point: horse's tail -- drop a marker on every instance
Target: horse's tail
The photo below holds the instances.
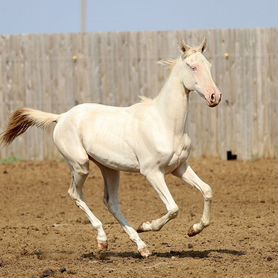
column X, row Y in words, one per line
column 22, row 119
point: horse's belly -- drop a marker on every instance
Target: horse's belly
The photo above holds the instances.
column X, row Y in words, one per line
column 120, row 160
column 107, row 145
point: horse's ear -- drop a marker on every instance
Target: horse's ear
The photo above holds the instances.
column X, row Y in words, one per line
column 203, row 46
column 183, row 47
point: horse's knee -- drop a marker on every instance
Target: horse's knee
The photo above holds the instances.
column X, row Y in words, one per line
column 205, row 223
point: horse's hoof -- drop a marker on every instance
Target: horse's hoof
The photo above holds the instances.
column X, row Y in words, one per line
column 144, row 252
column 140, row 229
column 191, row 232
column 145, row 227
column 102, row 246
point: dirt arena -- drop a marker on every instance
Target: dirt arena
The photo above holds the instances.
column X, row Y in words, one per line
column 43, row 234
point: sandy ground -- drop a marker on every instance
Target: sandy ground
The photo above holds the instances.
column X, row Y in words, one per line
column 43, row 234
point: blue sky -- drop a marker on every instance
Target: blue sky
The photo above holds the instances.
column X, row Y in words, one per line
column 56, row 16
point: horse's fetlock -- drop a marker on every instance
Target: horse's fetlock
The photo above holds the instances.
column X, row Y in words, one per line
column 98, row 226
column 205, row 222
column 173, row 213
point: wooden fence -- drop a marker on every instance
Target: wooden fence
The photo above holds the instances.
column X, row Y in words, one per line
column 55, row 72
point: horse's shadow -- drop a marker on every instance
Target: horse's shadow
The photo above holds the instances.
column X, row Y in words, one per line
column 197, row 253
column 177, row 254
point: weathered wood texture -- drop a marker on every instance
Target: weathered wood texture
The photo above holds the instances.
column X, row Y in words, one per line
column 55, row 72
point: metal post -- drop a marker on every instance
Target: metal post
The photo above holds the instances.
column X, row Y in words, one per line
column 83, row 16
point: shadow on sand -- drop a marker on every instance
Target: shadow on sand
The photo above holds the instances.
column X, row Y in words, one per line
column 198, row 254
column 178, row 254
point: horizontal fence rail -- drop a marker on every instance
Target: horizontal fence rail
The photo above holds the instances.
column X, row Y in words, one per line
column 55, row 72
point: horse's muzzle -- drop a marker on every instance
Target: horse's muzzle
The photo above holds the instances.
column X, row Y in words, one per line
column 214, row 99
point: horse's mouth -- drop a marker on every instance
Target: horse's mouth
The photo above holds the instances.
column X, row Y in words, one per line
column 209, row 103
column 212, row 104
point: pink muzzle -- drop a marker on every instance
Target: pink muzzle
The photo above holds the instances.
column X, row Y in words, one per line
column 213, row 97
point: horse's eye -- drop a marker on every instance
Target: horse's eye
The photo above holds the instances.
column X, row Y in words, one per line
column 194, row 68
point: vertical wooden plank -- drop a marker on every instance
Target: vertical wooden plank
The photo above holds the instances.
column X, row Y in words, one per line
column 45, row 83
column 246, row 100
column 118, row 68
column 133, row 57
column 260, row 80
column 104, row 65
column 125, row 75
column 143, row 65
column 270, row 63
column 112, row 77
column 78, row 64
column 94, row 53
column 251, row 97
column 5, row 86
column 2, row 117
column 235, row 115
column 265, row 57
column 273, row 37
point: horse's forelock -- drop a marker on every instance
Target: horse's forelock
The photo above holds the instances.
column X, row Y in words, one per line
column 190, row 51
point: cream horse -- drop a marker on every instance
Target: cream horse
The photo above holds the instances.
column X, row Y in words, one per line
column 148, row 137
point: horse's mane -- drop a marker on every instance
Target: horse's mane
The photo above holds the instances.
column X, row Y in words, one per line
column 168, row 62
column 145, row 99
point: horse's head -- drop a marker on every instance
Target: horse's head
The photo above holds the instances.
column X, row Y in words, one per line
column 195, row 73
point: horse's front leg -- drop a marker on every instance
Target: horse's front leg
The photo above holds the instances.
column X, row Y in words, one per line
column 188, row 175
column 156, row 179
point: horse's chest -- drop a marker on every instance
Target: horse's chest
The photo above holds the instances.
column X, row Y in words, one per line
column 179, row 154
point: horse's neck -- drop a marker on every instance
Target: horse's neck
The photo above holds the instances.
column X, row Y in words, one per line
column 172, row 102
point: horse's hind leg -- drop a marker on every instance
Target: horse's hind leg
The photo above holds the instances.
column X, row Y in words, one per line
column 111, row 182
column 77, row 158
column 79, row 175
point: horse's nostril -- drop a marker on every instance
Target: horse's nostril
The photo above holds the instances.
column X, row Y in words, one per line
column 212, row 97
